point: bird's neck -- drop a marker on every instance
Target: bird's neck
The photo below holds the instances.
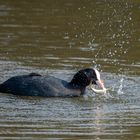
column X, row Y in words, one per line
column 76, row 86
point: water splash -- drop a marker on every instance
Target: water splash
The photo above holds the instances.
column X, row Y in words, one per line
column 120, row 89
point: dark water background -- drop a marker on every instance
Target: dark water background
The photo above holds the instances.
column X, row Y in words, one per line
column 60, row 37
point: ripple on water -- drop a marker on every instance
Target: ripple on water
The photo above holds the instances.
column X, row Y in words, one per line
column 94, row 117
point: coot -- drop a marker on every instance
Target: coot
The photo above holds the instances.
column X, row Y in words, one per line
column 37, row 85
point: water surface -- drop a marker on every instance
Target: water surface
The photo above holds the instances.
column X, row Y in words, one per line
column 59, row 38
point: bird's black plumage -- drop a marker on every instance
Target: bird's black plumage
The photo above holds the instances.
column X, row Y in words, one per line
column 37, row 85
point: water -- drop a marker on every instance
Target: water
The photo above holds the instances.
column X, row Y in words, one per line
column 59, row 38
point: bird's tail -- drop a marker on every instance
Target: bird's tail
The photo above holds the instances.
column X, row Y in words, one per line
column 2, row 88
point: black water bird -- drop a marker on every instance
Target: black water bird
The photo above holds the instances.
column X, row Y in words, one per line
column 35, row 84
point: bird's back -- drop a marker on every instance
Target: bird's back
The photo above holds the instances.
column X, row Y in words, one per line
column 37, row 85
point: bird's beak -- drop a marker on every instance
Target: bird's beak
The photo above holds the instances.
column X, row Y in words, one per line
column 100, row 83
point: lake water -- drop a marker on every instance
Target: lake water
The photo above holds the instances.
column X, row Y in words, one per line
column 59, row 38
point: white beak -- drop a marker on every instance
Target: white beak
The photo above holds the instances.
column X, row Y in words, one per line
column 100, row 83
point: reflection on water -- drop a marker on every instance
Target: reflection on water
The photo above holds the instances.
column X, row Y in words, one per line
column 37, row 33
column 59, row 37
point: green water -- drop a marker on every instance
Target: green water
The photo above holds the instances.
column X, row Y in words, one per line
column 59, row 38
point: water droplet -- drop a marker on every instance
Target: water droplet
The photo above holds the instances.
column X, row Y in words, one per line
column 120, row 90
